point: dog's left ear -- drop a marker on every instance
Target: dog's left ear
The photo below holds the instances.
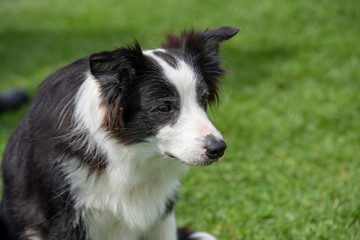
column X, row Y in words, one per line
column 212, row 38
column 204, row 43
column 204, row 49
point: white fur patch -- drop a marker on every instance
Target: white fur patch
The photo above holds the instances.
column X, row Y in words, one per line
column 31, row 234
column 201, row 236
column 87, row 109
column 164, row 229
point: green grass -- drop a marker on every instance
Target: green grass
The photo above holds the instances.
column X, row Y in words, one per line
column 289, row 111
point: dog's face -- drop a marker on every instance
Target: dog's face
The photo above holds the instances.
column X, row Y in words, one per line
column 161, row 96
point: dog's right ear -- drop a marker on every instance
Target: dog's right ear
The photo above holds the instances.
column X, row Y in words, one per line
column 118, row 65
column 114, row 72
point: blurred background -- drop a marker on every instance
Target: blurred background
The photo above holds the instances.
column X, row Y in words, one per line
column 289, row 107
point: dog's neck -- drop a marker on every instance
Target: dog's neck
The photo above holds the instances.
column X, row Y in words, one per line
column 133, row 190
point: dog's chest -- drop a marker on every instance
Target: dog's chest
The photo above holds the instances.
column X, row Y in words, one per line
column 129, row 214
column 102, row 225
column 114, row 205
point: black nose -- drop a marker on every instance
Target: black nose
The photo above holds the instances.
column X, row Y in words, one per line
column 215, row 148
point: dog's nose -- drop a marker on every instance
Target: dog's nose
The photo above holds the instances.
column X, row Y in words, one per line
column 215, row 148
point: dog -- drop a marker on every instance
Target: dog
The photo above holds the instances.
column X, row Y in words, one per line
column 100, row 151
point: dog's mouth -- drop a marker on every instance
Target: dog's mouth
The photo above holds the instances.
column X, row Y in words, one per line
column 201, row 163
column 170, row 155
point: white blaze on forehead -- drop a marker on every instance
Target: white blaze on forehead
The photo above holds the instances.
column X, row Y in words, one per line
column 184, row 79
column 183, row 76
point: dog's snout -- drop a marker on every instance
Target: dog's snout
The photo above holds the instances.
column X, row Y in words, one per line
column 215, row 148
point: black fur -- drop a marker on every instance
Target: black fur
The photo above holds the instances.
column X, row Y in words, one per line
column 35, row 191
column 183, row 233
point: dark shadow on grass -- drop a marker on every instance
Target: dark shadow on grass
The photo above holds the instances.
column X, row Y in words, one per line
column 24, row 52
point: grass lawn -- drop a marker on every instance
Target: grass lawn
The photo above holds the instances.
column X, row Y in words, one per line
column 289, row 111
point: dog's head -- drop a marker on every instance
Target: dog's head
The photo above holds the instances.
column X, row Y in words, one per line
column 161, row 96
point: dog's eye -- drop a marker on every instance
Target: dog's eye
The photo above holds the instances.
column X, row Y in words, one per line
column 165, row 108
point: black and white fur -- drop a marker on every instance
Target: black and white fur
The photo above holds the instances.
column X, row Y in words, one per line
column 100, row 151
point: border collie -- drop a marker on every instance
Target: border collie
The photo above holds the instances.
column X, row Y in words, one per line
column 100, row 151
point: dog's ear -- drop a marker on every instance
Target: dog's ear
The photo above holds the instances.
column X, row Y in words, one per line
column 209, row 59
column 212, row 38
column 205, row 43
column 114, row 72
column 118, row 65
column 203, row 49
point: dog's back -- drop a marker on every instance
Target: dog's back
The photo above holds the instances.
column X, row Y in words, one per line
column 34, row 193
